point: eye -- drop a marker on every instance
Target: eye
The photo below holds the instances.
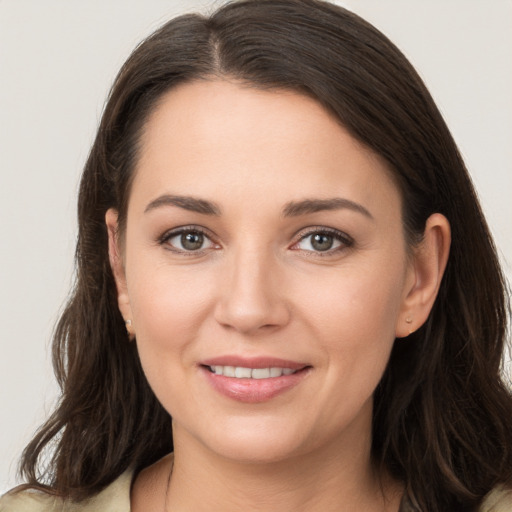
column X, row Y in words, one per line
column 187, row 240
column 324, row 240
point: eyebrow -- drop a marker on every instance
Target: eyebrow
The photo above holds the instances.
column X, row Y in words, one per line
column 297, row 208
column 291, row 209
column 190, row 203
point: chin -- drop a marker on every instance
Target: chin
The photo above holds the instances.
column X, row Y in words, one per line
column 261, row 451
column 256, row 441
column 244, row 440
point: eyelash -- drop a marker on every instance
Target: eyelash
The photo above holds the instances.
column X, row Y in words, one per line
column 168, row 235
column 344, row 240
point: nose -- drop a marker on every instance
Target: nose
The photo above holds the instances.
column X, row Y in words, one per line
column 252, row 297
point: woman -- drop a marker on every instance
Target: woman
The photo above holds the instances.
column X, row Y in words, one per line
column 280, row 248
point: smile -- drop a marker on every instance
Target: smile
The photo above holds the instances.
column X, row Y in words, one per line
column 253, row 380
column 240, row 372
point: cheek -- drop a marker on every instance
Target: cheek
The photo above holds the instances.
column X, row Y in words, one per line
column 163, row 295
column 355, row 303
column 168, row 309
column 168, row 306
column 353, row 317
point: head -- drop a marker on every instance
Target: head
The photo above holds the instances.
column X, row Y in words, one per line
column 341, row 66
column 258, row 227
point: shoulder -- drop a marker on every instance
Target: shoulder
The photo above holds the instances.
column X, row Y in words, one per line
column 29, row 501
column 499, row 500
column 114, row 498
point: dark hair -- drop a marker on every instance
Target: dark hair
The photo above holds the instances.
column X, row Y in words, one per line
column 442, row 413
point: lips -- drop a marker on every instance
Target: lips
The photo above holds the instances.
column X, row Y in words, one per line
column 253, row 380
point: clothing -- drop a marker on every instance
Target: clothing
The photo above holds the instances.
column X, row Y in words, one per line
column 116, row 498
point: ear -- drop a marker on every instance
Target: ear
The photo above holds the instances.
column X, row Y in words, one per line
column 117, row 266
column 424, row 277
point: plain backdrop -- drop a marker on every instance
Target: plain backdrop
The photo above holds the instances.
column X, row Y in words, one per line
column 57, row 61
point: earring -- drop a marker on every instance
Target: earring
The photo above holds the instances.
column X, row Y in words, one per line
column 408, row 320
column 131, row 334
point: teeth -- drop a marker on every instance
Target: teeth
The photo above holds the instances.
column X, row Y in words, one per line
column 260, row 373
column 276, row 372
column 239, row 372
column 228, row 371
column 242, row 373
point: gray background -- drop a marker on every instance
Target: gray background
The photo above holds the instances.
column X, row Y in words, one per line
column 57, row 61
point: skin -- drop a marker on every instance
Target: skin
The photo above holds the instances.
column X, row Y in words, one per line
column 257, row 287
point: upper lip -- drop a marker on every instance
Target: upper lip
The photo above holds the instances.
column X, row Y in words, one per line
column 253, row 362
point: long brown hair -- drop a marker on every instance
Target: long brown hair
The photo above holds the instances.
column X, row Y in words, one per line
column 442, row 418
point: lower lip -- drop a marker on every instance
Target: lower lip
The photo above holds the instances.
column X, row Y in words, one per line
column 254, row 390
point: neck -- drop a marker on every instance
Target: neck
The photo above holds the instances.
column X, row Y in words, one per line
column 331, row 478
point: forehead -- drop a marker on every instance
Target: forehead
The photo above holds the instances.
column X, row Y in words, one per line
column 227, row 139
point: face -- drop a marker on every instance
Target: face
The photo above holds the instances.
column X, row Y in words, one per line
column 264, row 269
